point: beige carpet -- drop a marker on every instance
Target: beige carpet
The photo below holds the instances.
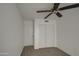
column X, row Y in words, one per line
column 30, row 51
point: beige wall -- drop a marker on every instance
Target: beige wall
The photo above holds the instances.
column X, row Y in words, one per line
column 68, row 31
column 11, row 30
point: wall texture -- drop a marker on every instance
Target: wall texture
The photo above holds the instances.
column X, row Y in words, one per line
column 11, row 30
column 68, row 31
column 28, row 33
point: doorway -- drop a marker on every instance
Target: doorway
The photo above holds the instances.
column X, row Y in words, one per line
column 44, row 33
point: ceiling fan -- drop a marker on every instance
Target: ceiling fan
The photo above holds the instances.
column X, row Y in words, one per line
column 55, row 9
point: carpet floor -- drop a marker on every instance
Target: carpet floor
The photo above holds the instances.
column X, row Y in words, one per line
column 53, row 51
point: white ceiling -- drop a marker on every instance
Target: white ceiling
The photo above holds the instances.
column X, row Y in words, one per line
column 28, row 10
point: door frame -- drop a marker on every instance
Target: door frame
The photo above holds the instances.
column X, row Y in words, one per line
column 36, row 31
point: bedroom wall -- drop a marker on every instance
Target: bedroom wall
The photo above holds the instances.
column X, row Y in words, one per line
column 11, row 30
column 68, row 31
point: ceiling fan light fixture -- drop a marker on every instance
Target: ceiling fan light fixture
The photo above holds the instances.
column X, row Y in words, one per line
column 55, row 12
column 56, row 9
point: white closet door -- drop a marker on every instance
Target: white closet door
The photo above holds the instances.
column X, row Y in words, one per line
column 42, row 35
column 50, row 35
column 45, row 34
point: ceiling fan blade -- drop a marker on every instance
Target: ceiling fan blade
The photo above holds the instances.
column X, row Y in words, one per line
column 48, row 15
column 69, row 7
column 43, row 11
column 56, row 5
column 59, row 14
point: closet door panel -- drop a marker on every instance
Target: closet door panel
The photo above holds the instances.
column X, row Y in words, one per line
column 44, row 34
column 50, row 35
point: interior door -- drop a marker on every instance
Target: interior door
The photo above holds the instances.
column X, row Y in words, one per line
column 44, row 34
